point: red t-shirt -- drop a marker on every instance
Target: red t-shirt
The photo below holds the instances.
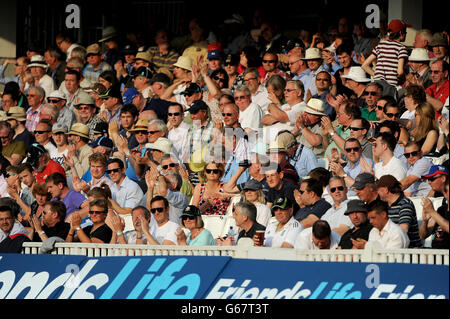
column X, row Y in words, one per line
column 440, row 94
column 52, row 167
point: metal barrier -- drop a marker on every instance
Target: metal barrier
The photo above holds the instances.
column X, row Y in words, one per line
column 372, row 253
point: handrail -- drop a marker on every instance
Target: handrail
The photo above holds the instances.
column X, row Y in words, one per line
column 372, row 253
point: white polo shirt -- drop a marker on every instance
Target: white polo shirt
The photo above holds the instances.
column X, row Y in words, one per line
column 288, row 233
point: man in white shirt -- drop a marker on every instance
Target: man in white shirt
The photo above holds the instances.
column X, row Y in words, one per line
column 413, row 184
column 259, row 94
column 283, row 232
column 250, row 114
column 319, row 236
column 161, row 230
column 385, row 231
column 178, row 128
column 43, row 133
column 383, row 148
column 38, row 67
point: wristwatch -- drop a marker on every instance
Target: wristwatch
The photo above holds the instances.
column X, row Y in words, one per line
column 332, row 133
column 119, row 233
column 78, row 228
column 345, row 175
column 42, row 233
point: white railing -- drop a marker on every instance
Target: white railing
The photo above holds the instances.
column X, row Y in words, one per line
column 371, row 253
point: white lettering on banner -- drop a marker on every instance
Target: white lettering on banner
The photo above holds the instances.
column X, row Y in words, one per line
column 373, row 279
column 383, row 289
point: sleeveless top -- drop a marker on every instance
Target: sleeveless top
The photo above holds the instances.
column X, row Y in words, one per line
column 219, row 207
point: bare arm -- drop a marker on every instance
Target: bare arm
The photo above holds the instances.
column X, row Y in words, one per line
column 367, row 65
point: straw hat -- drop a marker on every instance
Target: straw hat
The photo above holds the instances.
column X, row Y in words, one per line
column 184, row 62
column 140, row 126
column 315, row 107
column 312, row 54
column 79, row 129
column 162, row 144
column 16, row 113
column 357, row 74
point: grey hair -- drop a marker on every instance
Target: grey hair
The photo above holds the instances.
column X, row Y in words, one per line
column 248, row 209
column 298, row 85
column 41, row 91
column 242, row 88
column 161, row 125
column 78, row 52
column 254, row 71
column 146, row 211
column 174, row 177
column 77, row 62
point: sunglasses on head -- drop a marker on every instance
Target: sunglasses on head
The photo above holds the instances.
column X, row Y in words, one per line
column 157, row 209
column 114, row 170
column 213, row 171
column 407, row 155
column 169, row 165
column 334, row 189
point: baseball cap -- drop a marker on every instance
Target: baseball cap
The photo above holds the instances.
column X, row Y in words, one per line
column 100, row 128
column 191, row 89
column 362, row 180
column 129, row 95
column 397, row 25
column 93, row 49
column 59, row 128
column 112, row 92
column 191, row 210
column 197, row 106
column 83, row 99
column 252, row 185
column 214, row 55
column 436, row 169
column 102, row 141
column 144, row 72
column 282, row 202
column 355, row 205
column 231, row 59
column 34, row 153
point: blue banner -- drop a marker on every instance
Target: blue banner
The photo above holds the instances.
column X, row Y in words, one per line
column 172, row 277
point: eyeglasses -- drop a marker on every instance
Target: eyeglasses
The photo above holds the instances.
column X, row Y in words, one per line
column 4, row 137
column 157, row 209
column 227, row 114
column 113, row 170
column 290, row 63
column 334, row 189
column 152, row 132
column 188, row 217
column 373, row 93
column 169, row 165
column 354, row 149
column 97, row 212
column 212, row 171
column 242, row 97
column 407, row 155
column 174, row 114
column 248, row 80
column 390, row 115
column 269, row 61
column 41, row 132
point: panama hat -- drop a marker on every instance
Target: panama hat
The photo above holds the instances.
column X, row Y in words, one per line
column 184, row 62
column 108, row 33
column 419, row 55
column 315, row 107
column 16, row 113
column 357, row 74
column 39, row 61
column 276, row 146
column 143, row 56
column 312, row 54
column 162, row 144
column 140, row 126
column 79, row 129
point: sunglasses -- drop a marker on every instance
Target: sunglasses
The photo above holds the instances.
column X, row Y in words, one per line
column 407, row 155
column 269, row 61
column 227, row 114
column 373, row 93
column 41, row 132
column 301, row 192
column 188, row 217
column 212, row 171
column 379, row 107
column 390, row 115
column 334, row 189
column 322, row 79
column 356, row 128
column 169, row 165
column 157, row 209
column 354, row 149
column 432, row 179
column 113, row 170
column 152, row 132
column 53, row 100
column 97, row 212
column 174, row 114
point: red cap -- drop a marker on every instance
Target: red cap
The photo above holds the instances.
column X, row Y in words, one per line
column 397, row 25
column 215, row 46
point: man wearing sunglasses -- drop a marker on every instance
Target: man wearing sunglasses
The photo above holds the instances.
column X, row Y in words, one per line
column 335, row 215
column 53, row 218
column 412, row 184
column 178, row 128
column 372, row 94
column 161, row 230
column 270, row 64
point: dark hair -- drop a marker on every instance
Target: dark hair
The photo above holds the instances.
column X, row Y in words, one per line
column 389, row 139
column 353, row 110
column 159, row 198
column 147, row 213
column 103, row 190
column 391, row 125
column 118, row 161
column 314, row 185
column 378, row 206
column 74, row 72
column 352, row 140
column 130, row 108
column 417, row 93
column 322, row 175
column 103, row 203
column 176, row 104
column 253, row 57
column 24, row 166
column 59, row 207
column 57, row 178
column 321, row 229
column 8, row 204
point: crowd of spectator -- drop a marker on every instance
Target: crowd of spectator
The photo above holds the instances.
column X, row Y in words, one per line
column 321, row 141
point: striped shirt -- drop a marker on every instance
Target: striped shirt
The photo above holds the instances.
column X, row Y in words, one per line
column 33, row 118
column 403, row 211
column 163, row 61
column 388, row 54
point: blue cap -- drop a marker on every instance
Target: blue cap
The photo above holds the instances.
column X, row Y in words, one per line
column 129, row 95
column 436, row 169
column 102, row 141
column 214, row 55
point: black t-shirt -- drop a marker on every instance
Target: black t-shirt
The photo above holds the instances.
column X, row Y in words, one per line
column 104, row 233
column 13, row 244
column 61, row 229
column 252, row 231
column 441, row 238
column 160, row 107
column 25, row 137
column 362, row 232
column 318, row 209
column 287, row 190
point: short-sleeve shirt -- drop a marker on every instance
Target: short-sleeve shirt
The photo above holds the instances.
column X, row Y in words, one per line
column 318, row 209
column 61, row 229
column 52, row 167
column 251, row 232
column 394, row 167
column 104, row 233
column 388, row 53
column 205, row 238
column 288, row 233
column 286, row 190
column 73, row 201
column 165, row 232
column 362, row 232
